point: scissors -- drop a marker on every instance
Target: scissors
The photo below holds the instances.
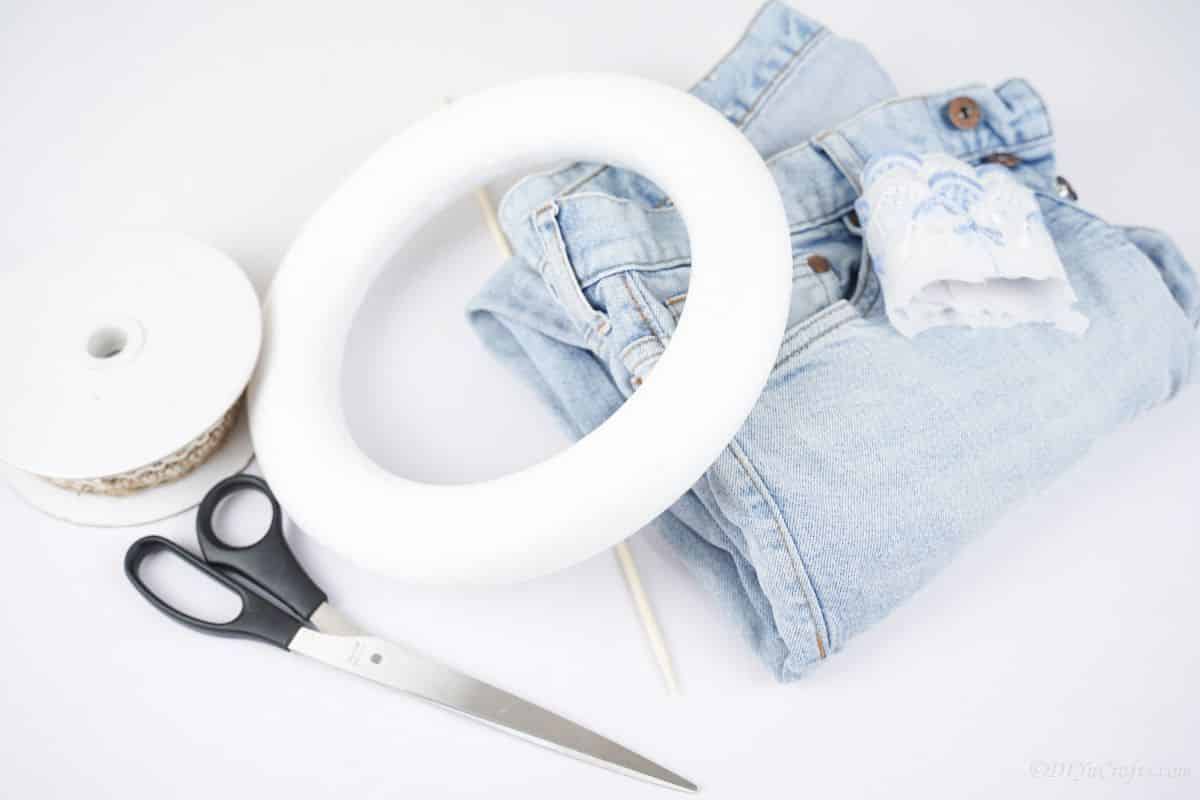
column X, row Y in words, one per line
column 272, row 579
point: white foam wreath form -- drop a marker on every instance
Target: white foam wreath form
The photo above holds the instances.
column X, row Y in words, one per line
column 626, row 472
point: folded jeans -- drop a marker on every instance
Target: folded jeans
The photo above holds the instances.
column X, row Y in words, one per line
column 869, row 458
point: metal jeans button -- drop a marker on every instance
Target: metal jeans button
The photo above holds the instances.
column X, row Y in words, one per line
column 964, row 113
column 1003, row 159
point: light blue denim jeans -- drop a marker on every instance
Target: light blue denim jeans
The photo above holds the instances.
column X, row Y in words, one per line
column 870, row 458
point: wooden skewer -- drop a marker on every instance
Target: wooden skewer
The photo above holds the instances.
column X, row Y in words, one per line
column 658, row 645
column 641, row 602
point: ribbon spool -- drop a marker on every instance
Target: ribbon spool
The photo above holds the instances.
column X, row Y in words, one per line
column 123, row 369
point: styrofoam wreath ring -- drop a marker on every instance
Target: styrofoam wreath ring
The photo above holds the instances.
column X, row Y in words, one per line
column 617, row 478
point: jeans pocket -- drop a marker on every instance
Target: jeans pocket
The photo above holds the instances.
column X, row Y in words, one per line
column 646, row 305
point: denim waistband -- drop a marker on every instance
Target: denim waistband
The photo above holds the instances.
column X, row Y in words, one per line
column 778, row 48
column 602, row 234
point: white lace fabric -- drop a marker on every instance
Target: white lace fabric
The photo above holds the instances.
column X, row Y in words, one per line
column 956, row 245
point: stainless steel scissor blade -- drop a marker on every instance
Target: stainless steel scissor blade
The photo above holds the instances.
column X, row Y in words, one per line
column 411, row 671
column 273, row 580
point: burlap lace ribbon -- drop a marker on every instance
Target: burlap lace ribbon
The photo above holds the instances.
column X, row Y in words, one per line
column 169, row 468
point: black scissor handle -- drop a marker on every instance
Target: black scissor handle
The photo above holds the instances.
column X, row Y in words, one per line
column 258, row 619
column 269, row 561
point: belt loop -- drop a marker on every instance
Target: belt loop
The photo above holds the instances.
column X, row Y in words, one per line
column 837, row 148
column 559, row 276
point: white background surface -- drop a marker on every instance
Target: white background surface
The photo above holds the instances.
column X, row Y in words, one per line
column 1068, row 633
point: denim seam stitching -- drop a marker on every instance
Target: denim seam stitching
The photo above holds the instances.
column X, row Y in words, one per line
column 627, row 266
column 785, row 74
column 740, row 40
column 835, row 157
column 937, row 124
column 641, row 361
column 846, row 313
column 816, row 615
column 598, row 324
column 811, row 321
column 808, row 225
column 644, row 360
column 1039, row 102
column 567, row 191
column 829, row 298
column 798, row 274
column 917, row 98
column 1070, row 204
column 507, row 199
column 821, row 35
column 638, row 342
column 571, row 188
column 612, row 198
column 1112, row 233
column 798, row 331
column 845, row 123
column 841, row 211
column 642, row 310
column 799, row 227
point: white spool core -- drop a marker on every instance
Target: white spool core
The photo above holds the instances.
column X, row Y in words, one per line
column 107, row 341
column 115, row 356
column 627, row 471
